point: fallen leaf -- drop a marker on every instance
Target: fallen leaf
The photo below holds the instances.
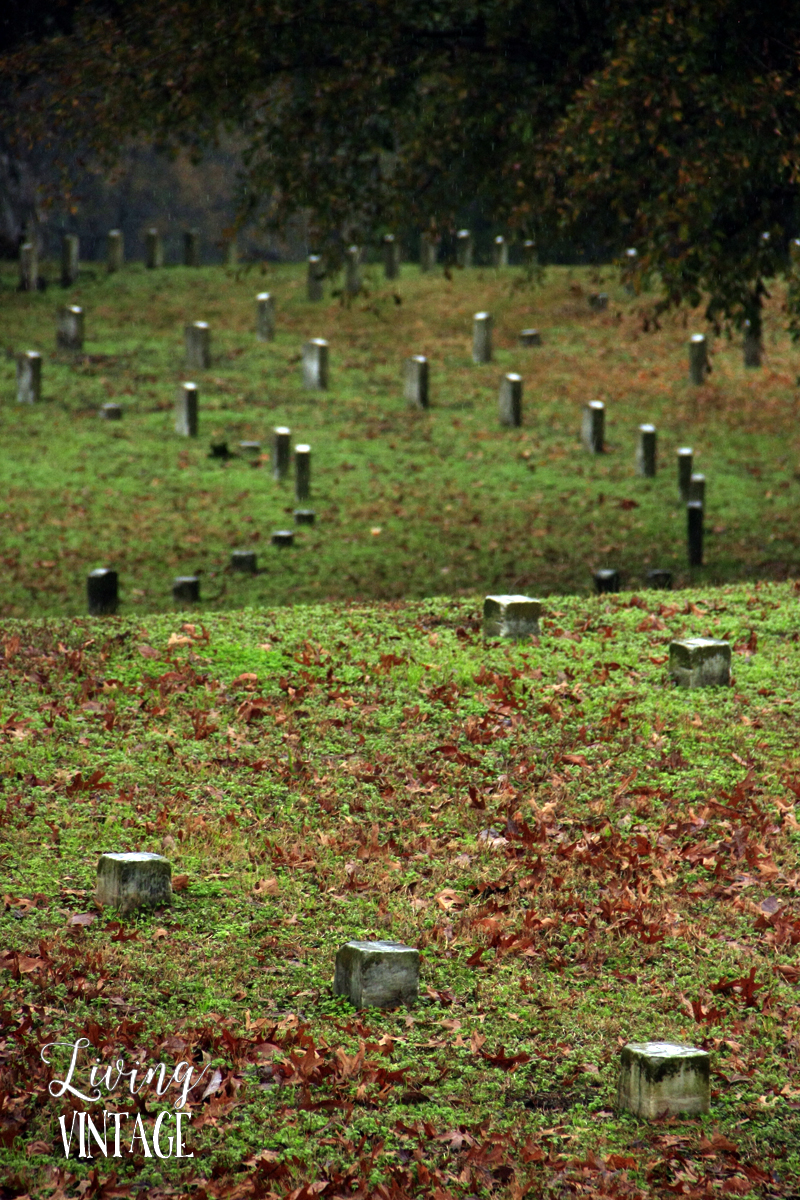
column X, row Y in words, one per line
column 180, row 883
column 267, row 887
column 82, row 919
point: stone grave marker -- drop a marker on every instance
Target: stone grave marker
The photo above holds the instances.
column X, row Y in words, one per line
column 191, row 248
column 593, row 427
column 352, row 263
column 251, row 451
column 659, row 579
column 111, row 411
column 529, row 253
column 102, row 591
column 186, row 410
column 314, row 278
column 281, row 452
column 302, row 471
column 482, row 338
column 415, row 381
column 700, row 662
column 243, row 560
column 186, row 589
column 131, row 881
column 598, row 301
column 685, row 459
column 511, row 401
column 377, row 974
column 315, row 364
column 153, row 250
column 698, row 358
column 115, row 250
column 697, row 488
column 752, row 346
column 530, row 337
column 28, row 267
column 265, row 317
column 428, row 251
column 464, row 248
column 70, row 259
column 694, row 532
column 500, row 252
column 197, row 337
column 304, row 516
column 70, row 328
column 659, row 1079
column 283, row 537
column 391, row 256
column 219, row 450
column 511, row 616
column 231, row 252
column 646, row 451
column 607, row 579
column 29, row 377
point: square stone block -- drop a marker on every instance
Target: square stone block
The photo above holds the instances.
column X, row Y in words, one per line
column 662, row 1078
column 377, row 974
column 138, row 880
column 511, row 616
column 700, row 662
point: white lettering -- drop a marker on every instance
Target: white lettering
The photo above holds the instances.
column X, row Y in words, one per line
column 65, row 1084
column 117, row 1118
column 92, row 1131
column 67, row 1144
column 156, row 1145
column 178, row 1117
column 142, row 1136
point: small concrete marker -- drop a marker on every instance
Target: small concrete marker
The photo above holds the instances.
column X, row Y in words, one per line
column 752, row 346
column 377, row 974
column 529, row 253
column 482, row 338
column 29, row 377
column 219, row 450
column 251, row 451
column 102, row 591
column 685, row 458
column 694, row 532
column 70, row 328
column 28, row 267
column 698, row 358
column 391, row 256
column 646, row 451
column 231, row 252
column 315, row 277
column 283, row 537
column 70, row 259
column 697, row 488
column 111, row 411
column 243, row 560
column 131, row 881
column 511, row 616
column 530, row 337
column 607, row 579
column 464, row 248
column 304, row 516
column 511, row 401
column 593, row 426
column 352, row 278
column 197, row 337
column 302, row 471
column 415, row 381
column 153, row 250
column 265, row 317
column 598, row 301
column 663, row 1079
column 659, row 579
column 700, row 662
column 115, row 251
column 191, row 248
column 500, row 252
column 315, row 364
column 186, row 410
column 186, row 589
column 428, row 252
column 281, row 452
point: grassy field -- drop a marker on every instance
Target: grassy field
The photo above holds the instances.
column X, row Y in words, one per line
column 583, row 854
column 408, row 504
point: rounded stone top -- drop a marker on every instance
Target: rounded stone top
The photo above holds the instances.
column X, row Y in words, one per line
column 382, row 947
column 264, row 296
column 313, row 258
column 482, row 316
column 596, row 404
column 499, row 239
column 188, row 384
column 318, row 342
column 420, row 358
column 513, row 599
column 284, row 429
column 200, row 324
column 699, row 643
column 698, row 337
column 528, row 331
column 185, row 579
column 647, row 428
column 100, row 571
column 463, row 233
column 302, row 448
column 135, row 856
column 664, row 1049
column 75, row 308
column 513, row 377
column 685, row 450
column 32, row 354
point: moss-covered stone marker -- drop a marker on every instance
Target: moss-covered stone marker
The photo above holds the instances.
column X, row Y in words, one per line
column 377, row 974
column 663, row 1078
column 700, row 662
column 129, row 881
column 511, row 616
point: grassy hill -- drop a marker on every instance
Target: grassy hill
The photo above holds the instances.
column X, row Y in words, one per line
column 408, row 504
column 584, row 855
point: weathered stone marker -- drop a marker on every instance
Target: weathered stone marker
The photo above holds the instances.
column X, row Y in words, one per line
column 186, row 410
column 428, row 251
column 219, row 450
column 530, row 337
column 352, row 262
column 646, row 451
column 28, row 267
column 29, row 377
column 315, row 277
column 251, row 451
column 115, row 251
column 231, row 252
column 302, row 471
column 186, row 589
column 283, row 537
column 698, row 358
column 153, row 250
column 70, row 259
column 391, row 256
column 700, row 662
column 660, row 579
column 131, row 881
column 607, row 579
column 191, row 248
column 198, row 345
column 500, row 252
column 102, row 591
column 598, row 301
column 243, row 560
column 111, row 411
column 529, row 253
column 694, row 532
column 663, row 1078
column 511, row 401
column 697, row 488
column 464, row 248
column 752, row 346
column 304, row 516
column 70, row 328
column 315, row 364
column 415, row 381
column 511, row 616
column 482, row 338
column 593, row 426
column 685, row 459
column 281, row 452
column 377, row 974
column 265, row 317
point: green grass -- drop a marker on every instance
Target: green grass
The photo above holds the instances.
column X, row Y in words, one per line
column 580, row 851
column 408, row 504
